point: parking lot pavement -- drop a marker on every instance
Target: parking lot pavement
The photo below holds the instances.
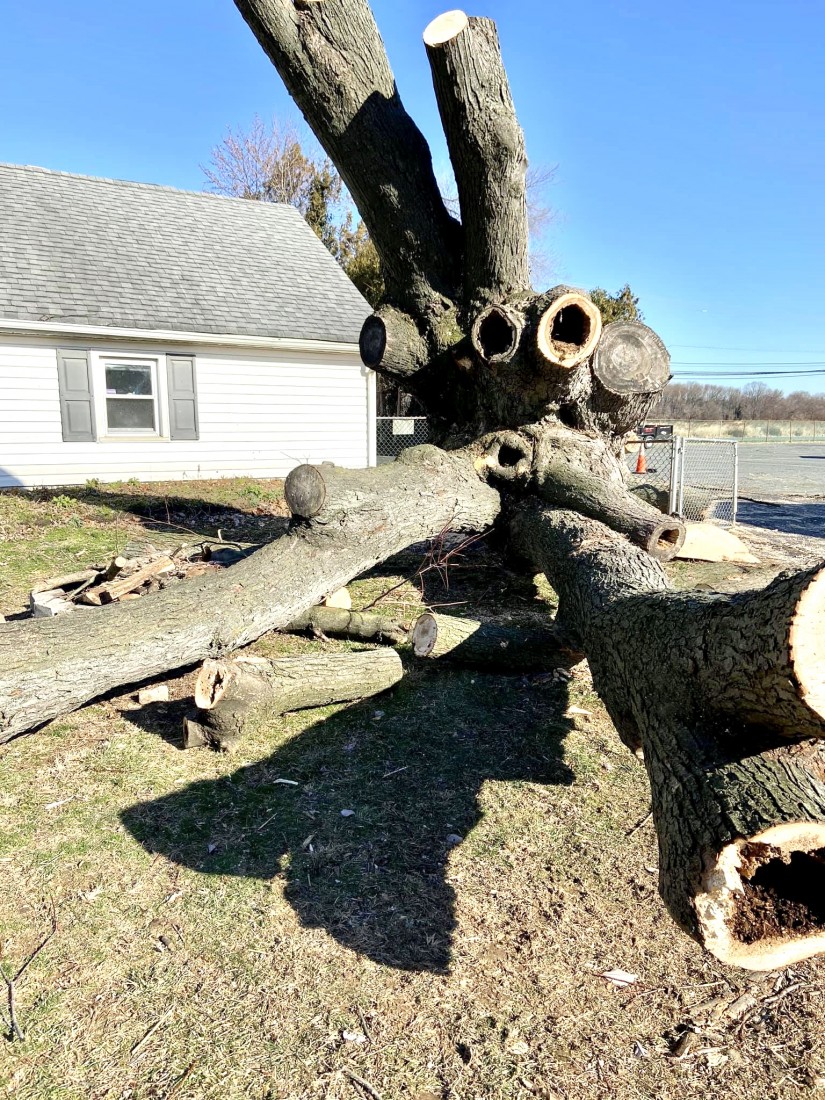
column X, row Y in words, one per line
column 776, row 470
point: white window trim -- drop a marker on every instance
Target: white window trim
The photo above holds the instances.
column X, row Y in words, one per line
column 158, row 363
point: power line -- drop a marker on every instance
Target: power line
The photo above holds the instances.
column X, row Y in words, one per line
column 710, row 375
column 742, row 363
column 754, row 351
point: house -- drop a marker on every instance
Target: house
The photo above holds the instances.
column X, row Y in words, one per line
column 160, row 334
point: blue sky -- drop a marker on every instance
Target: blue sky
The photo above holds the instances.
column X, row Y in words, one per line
column 689, row 138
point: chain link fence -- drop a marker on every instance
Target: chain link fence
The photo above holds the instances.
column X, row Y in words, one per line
column 694, row 478
column 393, row 434
column 753, row 431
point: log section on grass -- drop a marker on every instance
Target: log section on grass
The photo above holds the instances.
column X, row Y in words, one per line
column 365, row 626
column 716, row 690
column 494, row 646
column 232, row 694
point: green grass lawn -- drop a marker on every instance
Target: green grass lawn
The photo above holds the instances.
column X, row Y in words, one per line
column 220, row 933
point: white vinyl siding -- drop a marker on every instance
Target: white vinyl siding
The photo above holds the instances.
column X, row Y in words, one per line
column 260, row 414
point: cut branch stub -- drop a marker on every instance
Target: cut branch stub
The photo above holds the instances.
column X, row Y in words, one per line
column 630, row 366
column 496, row 332
column 568, row 330
column 486, row 148
column 391, row 343
column 305, row 491
column 631, row 358
column 575, row 472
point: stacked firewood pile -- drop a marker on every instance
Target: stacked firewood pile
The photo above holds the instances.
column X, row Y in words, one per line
column 127, row 578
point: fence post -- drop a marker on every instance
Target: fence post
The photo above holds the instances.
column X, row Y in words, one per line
column 735, row 506
column 675, row 465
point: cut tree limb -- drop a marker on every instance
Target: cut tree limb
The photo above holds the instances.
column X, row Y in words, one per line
column 364, row 626
column 50, row 667
column 487, row 153
column 495, row 646
column 391, row 343
column 567, row 327
column 571, row 471
column 709, row 686
column 231, row 694
column 630, row 366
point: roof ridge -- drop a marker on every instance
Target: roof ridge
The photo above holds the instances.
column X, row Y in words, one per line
column 136, row 183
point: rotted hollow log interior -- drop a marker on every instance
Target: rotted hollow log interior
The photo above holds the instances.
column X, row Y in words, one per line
column 763, row 902
column 496, row 332
column 568, row 330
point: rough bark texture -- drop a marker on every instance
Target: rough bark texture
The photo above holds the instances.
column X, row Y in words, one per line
column 707, row 686
column 503, row 647
column 53, row 666
column 487, row 153
column 333, row 62
column 364, row 626
column 231, row 695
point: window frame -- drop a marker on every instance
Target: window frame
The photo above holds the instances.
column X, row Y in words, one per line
column 157, row 362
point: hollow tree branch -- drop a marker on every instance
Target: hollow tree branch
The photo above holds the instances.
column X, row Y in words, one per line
column 487, row 152
column 709, row 686
column 570, row 470
column 331, row 57
column 50, row 667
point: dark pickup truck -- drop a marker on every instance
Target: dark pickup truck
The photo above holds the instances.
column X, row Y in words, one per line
column 649, row 432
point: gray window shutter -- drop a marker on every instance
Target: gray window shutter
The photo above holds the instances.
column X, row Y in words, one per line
column 77, row 407
column 183, row 397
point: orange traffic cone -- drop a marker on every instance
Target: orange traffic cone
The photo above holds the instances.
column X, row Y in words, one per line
column 641, row 461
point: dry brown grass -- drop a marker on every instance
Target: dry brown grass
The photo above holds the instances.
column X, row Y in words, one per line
column 224, row 935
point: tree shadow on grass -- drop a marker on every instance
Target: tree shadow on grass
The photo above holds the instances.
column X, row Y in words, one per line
column 409, row 765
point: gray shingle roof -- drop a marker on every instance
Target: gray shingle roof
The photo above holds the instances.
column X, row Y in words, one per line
column 82, row 250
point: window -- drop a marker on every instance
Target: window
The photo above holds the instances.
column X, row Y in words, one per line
column 131, row 397
column 106, row 396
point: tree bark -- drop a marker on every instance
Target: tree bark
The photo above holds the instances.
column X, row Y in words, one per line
column 333, row 62
column 363, row 626
column 232, row 695
column 709, row 687
column 487, row 153
column 50, row 667
column 494, row 646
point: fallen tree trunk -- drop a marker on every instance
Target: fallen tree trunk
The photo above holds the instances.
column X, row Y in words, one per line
column 711, row 688
column 495, row 646
column 52, row 666
column 363, row 626
column 232, row 695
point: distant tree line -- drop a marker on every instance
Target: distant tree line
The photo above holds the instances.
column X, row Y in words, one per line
column 755, row 401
